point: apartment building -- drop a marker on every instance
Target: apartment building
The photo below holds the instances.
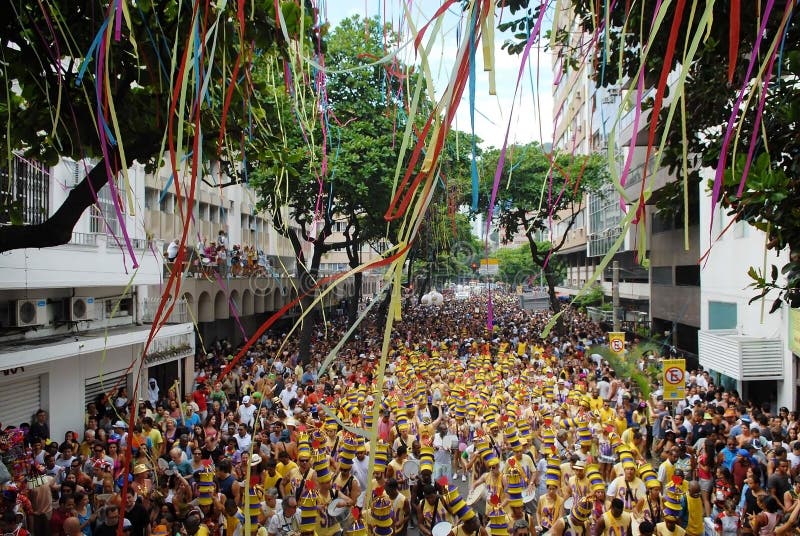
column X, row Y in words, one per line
column 72, row 317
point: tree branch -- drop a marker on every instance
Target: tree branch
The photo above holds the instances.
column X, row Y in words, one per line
column 57, row 229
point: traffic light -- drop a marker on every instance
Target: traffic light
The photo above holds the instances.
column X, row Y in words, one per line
column 474, row 267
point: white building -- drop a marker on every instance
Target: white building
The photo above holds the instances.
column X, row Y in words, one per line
column 744, row 346
column 71, row 317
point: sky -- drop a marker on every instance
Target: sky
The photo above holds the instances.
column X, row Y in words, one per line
column 533, row 111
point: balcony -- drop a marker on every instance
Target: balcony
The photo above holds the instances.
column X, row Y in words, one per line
column 89, row 259
column 741, row 357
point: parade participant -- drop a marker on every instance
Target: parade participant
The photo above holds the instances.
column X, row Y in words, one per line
column 326, row 524
column 401, row 509
column 574, row 524
column 395, row 470
column 628, row 488
column 578, row 484
column 615, row 522
column 551, row 505
column 493, row 478
column 431, row 510
column 345, row 483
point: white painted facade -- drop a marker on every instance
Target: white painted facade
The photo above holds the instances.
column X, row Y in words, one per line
column 756, row 348
column 64, row 356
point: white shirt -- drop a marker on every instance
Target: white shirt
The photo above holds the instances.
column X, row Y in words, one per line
column 360, row 471
column 247, row 414
column 288, row 393
column 282, row 525
column 172, row 250
column 243, row 442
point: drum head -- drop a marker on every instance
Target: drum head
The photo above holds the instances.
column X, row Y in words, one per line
column 476, row 494
column 361, row 498
column 442, row 529
column 334, row 510
column 528, row 498
column 568, row 502
column 411, row 468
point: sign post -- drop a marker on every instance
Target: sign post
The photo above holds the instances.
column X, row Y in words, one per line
column 674, row 379
column 616, row 341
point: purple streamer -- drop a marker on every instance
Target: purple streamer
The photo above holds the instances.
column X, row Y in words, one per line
column 502, row 160
column 723, row 155
column 759, row 114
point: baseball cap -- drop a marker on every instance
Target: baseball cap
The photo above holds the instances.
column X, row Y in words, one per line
column 245, row 399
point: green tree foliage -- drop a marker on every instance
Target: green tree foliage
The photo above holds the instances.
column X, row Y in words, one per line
column 360, row 104
column 51, row 100
column 771, row 197
column 539, row 192
column 516, row 266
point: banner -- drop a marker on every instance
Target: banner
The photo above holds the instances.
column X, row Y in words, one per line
column 794, row 331
column 616, row 341
column 674, row 379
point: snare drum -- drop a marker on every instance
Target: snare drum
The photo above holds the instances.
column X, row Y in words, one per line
column 529, row 502
column 411, row 469
column 568, row 502
column 477, row 499
column 442, row 529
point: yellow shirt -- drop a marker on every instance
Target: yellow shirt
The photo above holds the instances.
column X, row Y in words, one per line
column 662, row 530
column 595, row 404
column 617, row 526
column 285, row 469
column 695, row 525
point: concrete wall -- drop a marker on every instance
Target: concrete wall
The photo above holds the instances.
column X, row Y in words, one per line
column 724, row 279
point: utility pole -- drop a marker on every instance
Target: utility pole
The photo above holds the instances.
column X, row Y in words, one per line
column 615, row 294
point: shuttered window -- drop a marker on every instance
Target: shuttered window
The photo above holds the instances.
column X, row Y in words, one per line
column 20, row 398
column 104, row 384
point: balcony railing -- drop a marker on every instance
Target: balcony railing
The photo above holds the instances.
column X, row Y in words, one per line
column 84, row 239
column 25, row 194
column 180, row 313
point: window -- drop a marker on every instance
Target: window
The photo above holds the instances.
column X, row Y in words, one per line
column 103, row 217
column 661, row 275
column 167, row 204
column 204, row 211
column 687, row 275
column 213, row 215
column 151, row 196
column 721, row 315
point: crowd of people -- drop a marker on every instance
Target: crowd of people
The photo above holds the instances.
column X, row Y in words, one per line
column 477, row 431
column 218, row 256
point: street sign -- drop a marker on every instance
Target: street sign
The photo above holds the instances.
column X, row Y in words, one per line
column 674, row 379
column 616, row 341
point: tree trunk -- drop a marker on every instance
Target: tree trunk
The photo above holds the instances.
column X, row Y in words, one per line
column 550, row 279
column 308, row 278
column 355, row 299
column 57, row 229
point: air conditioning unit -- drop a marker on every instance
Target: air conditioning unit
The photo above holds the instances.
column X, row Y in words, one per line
column 81, row 308
column 30, row 312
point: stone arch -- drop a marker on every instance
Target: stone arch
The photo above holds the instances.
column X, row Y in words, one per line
column 205, row 309
column 221, row 310
column 235, row 301
column 259, row 305
column 248, row 303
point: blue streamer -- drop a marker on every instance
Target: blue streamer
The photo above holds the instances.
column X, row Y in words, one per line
column 90, row 53
column 473, row 167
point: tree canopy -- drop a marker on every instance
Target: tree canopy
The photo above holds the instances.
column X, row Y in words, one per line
column 742, row 104
column 86, row 80
column 539, row 197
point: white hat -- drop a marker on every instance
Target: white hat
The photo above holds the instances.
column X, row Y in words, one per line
column 120, row 424
column 245, row 399
column 255, row 459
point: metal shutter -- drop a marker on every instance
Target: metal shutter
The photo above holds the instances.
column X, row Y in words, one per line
column 20, row 398
column 105, row 383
